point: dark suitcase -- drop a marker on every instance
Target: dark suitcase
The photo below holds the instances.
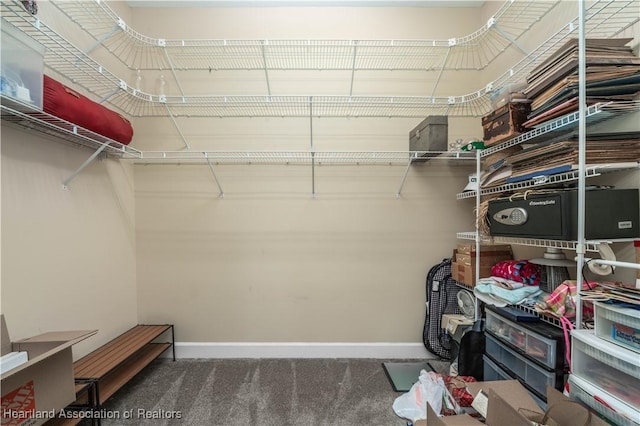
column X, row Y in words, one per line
column 505, row 122
column 67, row 104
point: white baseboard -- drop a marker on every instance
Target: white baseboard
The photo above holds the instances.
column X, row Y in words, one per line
column 300, row 350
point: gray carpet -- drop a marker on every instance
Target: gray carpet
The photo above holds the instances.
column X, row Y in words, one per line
column 260, row 392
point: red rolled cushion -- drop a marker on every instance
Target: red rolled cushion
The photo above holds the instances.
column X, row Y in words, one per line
column 67, row 104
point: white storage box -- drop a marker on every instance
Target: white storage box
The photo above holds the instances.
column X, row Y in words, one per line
column 616, row 370
column 618, row 325
column 618, row 413
column 22, row 67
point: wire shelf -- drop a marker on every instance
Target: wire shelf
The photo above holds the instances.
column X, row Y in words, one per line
column 471, row 235
column 604, row 19
column 542, row 180
column 472, row 51
column 594, row 114
column 300, row 106
column 543, row 317
column 534, row 242
column 296, row 157
column 25, row 116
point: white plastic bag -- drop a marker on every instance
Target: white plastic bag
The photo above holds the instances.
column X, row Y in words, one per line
column 428, row 389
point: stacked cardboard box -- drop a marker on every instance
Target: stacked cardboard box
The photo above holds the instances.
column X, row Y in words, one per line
column 36, row 390
column 463, row 267
column 507, row 402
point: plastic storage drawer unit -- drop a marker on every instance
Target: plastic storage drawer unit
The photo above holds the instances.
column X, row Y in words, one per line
column 536, row 377
column 545, row 349
column 616, row 372
column 492, row 372
column 615, row 411
column 618, row 325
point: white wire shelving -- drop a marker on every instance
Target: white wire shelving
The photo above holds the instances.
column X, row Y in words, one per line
column 24, row 115
column 544, row 180
column 300, row 157
column 605, row 19
column 591, row 245
column 473, row 51
column 596, row 113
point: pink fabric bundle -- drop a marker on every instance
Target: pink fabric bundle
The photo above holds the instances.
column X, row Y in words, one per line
column 521, row 271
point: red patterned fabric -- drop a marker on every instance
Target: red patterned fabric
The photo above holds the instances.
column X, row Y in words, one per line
column 456, row 385
column 521, row 271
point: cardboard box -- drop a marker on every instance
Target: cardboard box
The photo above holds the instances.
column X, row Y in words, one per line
column 507, row 400
column 466, row 274
column 463, row 267
column 35, row 391
column 486, row 258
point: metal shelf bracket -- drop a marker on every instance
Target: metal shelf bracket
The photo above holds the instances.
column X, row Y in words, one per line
column 215, row 177
column 65, row 183
column 404, row 176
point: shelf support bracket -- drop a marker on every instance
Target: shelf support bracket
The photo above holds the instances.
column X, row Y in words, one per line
column 175, row 123
column 105, row 98
column 444, row 64
column 65, row 183
column 404, row 176
column 313, row 174
column 353, row 67
column 264, row 62
column 313, row 154
column 173, row 72
column 511, row 39
column 213, row 172
column 102, row 39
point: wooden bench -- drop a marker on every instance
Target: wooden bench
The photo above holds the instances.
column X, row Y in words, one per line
column 85, row 400
column 101, row 373
column 112, row 365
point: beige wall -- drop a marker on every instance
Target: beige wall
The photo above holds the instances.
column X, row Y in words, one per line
column 269, row 263
column 68, row 256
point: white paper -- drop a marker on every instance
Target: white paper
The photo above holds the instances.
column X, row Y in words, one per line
column 480, row 403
